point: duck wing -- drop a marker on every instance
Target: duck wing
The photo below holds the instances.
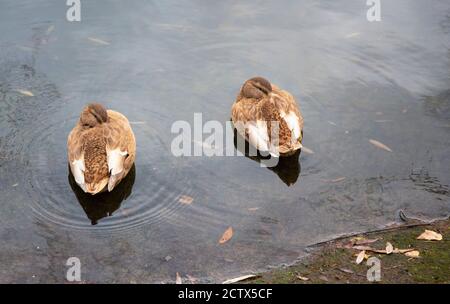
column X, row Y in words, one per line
column 120, row 147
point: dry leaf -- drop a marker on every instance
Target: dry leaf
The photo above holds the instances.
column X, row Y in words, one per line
column 307, row 150
column 26, row 93
column 227, row 235
column 185, row 199
column 360, row 257
column 365, row 241
column 238, row 279
column 253, row 209
column 389, row 248
column 178, row 279
column 396, row 250
column 430, row 235
column 367, row 248
column 412, row 254
column 302, row 278
column 98, row 41
column 380, row 145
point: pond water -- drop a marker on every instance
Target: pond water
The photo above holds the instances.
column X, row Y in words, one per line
column 159, row 62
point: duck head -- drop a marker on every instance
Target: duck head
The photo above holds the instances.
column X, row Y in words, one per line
column 256, row 87
column 93, row 114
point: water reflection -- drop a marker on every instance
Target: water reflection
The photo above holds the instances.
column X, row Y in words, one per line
column 105, row 204
column 288, row 168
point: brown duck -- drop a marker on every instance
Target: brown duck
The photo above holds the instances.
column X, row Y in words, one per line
column 101, row 149
column 257, row 105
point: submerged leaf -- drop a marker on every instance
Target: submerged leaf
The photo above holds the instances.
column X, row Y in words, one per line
column 26, row 93
column 430, row 235
column 227, row 235
column 98, row 41
column 380, row 145
column 185, row 199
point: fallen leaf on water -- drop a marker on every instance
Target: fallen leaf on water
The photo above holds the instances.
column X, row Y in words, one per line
column 307, row 150
column 253, row 209
column 98, row 41
column 412, row 254
column 238, row 279
column 430, row 235
column 15, row 185
column 380, row 145
column 302, row 278
column 389, row 248
column 26, row 93
column 178, row 279
column 360, row 257
column 185, row 199
column 50, row 29
column 339, row 179
column 227, row 235
column 352, row 35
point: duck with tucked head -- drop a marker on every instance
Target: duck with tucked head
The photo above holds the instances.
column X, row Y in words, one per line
column 101, row 149
column 258, row 106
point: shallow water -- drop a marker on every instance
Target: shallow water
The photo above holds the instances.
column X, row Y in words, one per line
column 355, row 81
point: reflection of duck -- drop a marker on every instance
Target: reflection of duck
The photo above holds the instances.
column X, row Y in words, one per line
column 101, row 149
column 257, row 105
column 104, row 204
column 288, row 168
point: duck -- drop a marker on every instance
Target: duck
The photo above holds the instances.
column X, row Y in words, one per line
column 101, row 149
column 259, row 103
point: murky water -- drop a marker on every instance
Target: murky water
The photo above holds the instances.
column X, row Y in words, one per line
column 158, row 62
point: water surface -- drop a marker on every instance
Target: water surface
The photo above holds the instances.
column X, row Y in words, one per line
column 161, row 62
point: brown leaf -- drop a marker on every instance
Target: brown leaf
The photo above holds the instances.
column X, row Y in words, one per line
column 380, row 145
column 430, row 235
column 178, row 279
column 412, row 254
column 227, row 235
column 185, row 199
column 389, row 248
column 360, row 257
